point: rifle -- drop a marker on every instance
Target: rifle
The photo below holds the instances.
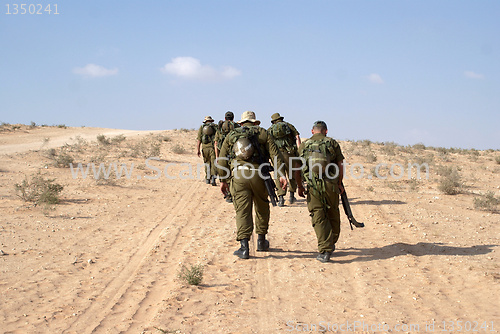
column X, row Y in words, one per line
column 265, row 169
column 347, row 210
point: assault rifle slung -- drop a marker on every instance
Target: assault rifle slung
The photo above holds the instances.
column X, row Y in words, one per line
column 347, row 210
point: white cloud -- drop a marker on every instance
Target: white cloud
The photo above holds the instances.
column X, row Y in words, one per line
column 191, row 68
column 375, row 78
column 473, row 75
column 94, row 71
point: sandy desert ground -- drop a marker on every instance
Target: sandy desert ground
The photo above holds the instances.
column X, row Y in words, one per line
column 106, row 258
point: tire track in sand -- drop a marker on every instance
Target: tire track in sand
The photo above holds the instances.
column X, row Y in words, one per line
column 95, row 315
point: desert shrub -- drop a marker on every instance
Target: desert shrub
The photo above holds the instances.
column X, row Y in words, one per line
column 497, row 159
column 59, row 159
column 487, row 202
column 32, row 125
column 103, row 140
column 118, row 139
column 192, row 275
column 424, row 159
column 62, row 126
column 146, row 147
column 178, row 149
column 370, row 157
column 419, row 146
column 450, row 183
column 16, row 127
column 370, row 188
column 38, row 190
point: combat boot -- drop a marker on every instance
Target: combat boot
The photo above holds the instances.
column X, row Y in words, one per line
column 213, row 181
column 229, row 198
column 281, row 200
column 324, row 257
column 292, row 197
column 243, row 252
column 262, row 243
column 207, row 181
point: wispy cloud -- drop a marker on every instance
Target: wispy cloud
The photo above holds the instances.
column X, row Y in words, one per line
column 94, row 71
column 473, row 75
column 375, row 78
column 191, row 68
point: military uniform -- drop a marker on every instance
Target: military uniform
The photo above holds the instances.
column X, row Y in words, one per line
column 288, row 147
column 207, row 149
column 247, row 187
column 323, row 196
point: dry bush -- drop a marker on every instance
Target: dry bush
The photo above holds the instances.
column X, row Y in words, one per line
column 103, row 140
column 118, row 139
column 38, row 190
column 146, row 147
column 451, row 181
column 487, row 202
column 497, row 159
column 178, row 149
column 59, row 158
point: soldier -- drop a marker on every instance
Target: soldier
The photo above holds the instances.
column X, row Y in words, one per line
column 322, row 170
column 225, row 127
column 287, row 138
column 248, row 147
column 206, row 137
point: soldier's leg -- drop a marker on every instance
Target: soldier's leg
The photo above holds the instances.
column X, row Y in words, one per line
column 213, row 170
column 321, row 223
column 242, row 200
column 334, row 214
column 260, row 199
column 206, row 161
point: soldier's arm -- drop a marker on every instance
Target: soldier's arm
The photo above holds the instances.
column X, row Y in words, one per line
column 296, row 134
column 298, row 175
column 198, row 144
column 222, row 165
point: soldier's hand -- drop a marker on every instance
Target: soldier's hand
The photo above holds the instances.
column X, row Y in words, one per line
column 224, row 188
column 283, row 182
column 301, row 191
column 199, row 154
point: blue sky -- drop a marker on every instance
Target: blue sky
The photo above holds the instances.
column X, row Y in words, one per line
column 402, row 70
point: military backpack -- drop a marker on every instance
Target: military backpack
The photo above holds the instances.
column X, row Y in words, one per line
column 208, row 133
column 241, row 143
column 283, row 136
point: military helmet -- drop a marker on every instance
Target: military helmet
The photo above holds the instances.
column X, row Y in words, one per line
column 243, row 148
column 208, row 130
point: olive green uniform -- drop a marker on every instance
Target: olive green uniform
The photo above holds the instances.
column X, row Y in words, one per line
column 208, row 152
column 247, row 187
column 288, row 148
column 323, row 203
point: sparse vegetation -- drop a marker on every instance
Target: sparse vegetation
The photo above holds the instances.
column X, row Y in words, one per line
column 450, row 183
column 147, row 147
column 497, row 159
column 103, row 140
column 118, row 139
column 192, row 275
column 39, row 190
column 178, row 149
column 59, row 159
column 487, row 202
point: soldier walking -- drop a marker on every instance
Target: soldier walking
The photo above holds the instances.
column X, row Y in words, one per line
column 225, row 127
column 322, row 171
column 206, row 139
column 287, row 139
column 248, row 148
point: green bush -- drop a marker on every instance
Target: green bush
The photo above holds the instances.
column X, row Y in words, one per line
column 39, row 190
column 192, row 275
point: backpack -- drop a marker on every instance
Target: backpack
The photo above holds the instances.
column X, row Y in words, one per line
column 318, row 155
column 244, row 136
column 282, row 134
column 208, row 133
column 225, row 127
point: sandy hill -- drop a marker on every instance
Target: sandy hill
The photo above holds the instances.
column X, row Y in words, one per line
column 106, row 258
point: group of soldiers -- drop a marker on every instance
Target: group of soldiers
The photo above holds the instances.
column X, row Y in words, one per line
column 235, row 152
